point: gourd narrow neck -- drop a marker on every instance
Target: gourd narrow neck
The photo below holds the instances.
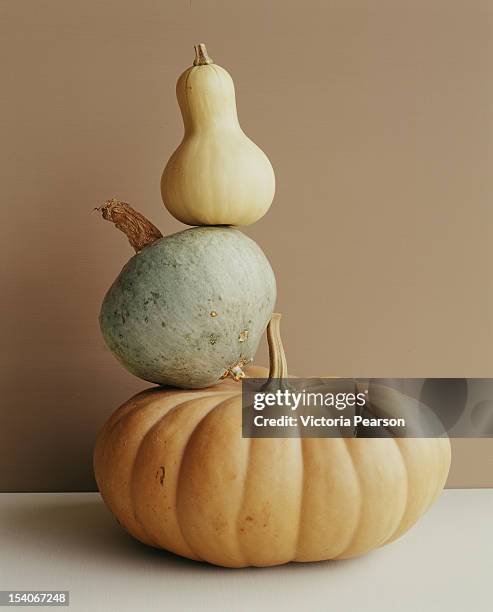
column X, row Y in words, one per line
column 213, row 124
column 206, row 95
column 277, row 358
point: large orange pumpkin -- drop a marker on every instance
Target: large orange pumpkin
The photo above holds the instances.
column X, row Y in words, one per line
column 175, row 471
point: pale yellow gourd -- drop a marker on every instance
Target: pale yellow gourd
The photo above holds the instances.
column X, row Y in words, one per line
column 217, row 176
column 174, row 469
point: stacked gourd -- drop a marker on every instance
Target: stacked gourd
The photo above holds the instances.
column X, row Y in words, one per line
column 189, row 310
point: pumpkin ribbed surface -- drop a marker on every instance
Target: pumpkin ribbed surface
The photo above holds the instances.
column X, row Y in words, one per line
column 175, row 471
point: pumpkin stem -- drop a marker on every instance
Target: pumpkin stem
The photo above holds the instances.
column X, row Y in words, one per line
column 139, row 230
column 201, row 56
column 277, row 358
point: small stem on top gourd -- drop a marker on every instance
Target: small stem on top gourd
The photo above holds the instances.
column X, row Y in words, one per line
column 278, row 367
column 201, row 56
column 139, row 230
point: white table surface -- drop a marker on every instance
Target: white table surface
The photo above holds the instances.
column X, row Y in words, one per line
column 69, row 541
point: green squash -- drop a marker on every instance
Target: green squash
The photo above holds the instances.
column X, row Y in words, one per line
column 190, row 308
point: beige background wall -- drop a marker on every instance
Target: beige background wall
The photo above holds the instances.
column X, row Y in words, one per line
column 378, row 118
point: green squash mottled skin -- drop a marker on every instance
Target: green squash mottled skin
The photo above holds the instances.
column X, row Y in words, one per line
column 190, row 306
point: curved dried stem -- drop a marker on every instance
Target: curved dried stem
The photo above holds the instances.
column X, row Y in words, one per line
column 139, row 230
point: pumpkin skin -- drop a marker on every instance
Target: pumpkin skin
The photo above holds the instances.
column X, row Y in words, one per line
column 173, row 468
column 217, row 175
column 189, row 307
